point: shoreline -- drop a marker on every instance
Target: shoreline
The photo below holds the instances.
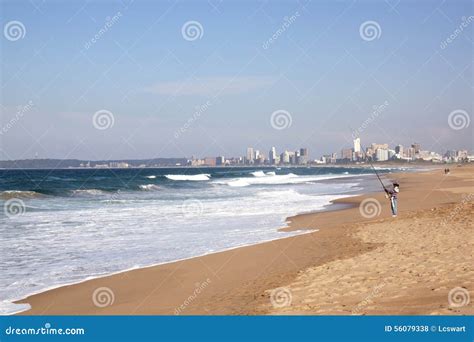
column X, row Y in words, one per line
column 305, row 250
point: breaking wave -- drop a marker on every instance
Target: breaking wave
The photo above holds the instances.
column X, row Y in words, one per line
column 200, row 177
column 149, row 187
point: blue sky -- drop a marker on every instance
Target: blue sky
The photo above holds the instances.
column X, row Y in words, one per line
column 153, row 81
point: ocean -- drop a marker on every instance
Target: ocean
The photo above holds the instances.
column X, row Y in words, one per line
column 60, row 227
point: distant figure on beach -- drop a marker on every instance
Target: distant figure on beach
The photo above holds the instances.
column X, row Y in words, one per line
column 392, row 195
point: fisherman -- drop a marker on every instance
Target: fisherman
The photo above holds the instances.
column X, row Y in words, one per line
column 392, row 195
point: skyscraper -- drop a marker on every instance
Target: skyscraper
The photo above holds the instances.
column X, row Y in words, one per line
column 272, row 156
column 357, row 145
column 285, row 157
column 417, row 147
column 382, row 154
column 346, row 153
column 220, row 161
column 303, row 156
column 250, row 155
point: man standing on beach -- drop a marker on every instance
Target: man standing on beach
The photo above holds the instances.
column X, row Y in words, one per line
column 392, row 194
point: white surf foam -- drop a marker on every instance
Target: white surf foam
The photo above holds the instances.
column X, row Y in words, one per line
column 289, row 178
column 88, row 192
column 258, row 174
column 200, row 177
column 149, row 187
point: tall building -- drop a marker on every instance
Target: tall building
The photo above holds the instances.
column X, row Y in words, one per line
column 417, row 147
column 210, row 161
column 285, row 157
column 250, row 155
column 399, row 149
column 220, row 161
column 303, row 156
column 381, row 154
column 346, row 153
column 410, row 153
column 272, row 156
column 357, row 145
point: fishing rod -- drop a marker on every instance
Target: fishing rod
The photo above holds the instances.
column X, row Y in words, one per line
column 383, row 186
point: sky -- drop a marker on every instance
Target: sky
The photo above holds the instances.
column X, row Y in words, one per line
column 143, row 79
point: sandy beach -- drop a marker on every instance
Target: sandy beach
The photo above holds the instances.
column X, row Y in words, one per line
column 352, row 261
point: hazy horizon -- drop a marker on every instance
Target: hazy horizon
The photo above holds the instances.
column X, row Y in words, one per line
column 141, row 80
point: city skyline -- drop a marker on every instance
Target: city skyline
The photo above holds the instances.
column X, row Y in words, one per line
column 117, row 80
column 375, row 152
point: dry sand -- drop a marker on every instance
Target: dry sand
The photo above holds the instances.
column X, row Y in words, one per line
column 351, row 265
